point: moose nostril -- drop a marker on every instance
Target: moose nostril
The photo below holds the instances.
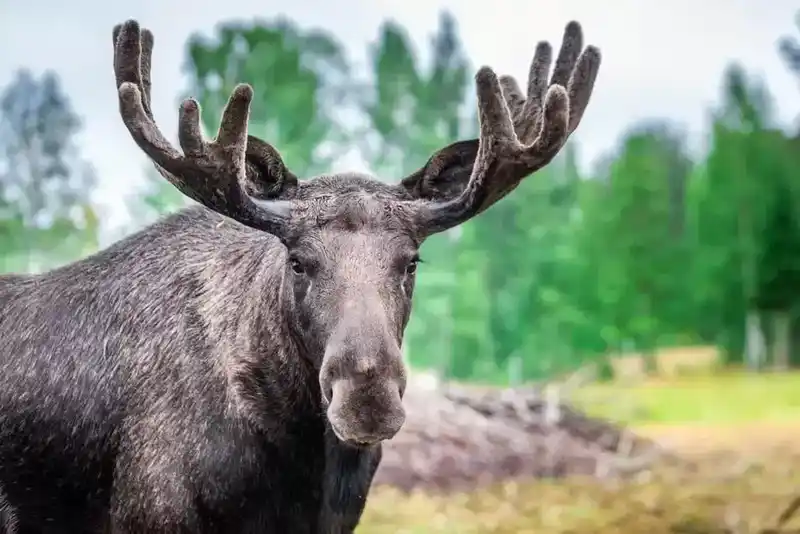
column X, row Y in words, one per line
column 328, row 393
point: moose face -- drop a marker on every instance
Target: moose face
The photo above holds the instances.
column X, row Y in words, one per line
column 350, row 274
column 352, row 241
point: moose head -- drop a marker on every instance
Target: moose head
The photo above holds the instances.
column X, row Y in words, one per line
column 351, row 242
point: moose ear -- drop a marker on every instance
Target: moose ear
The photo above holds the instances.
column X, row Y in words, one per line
column 446, row 173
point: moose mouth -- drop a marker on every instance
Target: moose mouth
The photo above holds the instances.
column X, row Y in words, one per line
column 364, row 415
column 357, row 444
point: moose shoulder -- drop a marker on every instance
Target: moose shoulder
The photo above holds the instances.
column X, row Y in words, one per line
column 236, row 366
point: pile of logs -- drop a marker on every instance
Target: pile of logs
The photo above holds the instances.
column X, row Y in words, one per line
column 461, row 439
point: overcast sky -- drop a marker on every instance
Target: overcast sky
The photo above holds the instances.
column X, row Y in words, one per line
column 660, row 58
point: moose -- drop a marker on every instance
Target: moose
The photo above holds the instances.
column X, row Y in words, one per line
column 236, row 366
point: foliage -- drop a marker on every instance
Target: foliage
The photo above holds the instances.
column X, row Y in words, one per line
column 156, row 198
column 790, row 50
column 652, row 248
column 46, row 215
column 297, row 76
column 411, row 111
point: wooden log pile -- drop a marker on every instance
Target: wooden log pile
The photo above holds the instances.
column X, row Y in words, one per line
column 459, row 439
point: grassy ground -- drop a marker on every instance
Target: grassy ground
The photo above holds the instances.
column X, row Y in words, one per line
column 748, row 503
column 742, row 431
column 700, row 400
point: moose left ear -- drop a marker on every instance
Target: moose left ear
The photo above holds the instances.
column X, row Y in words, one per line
column 446, row 173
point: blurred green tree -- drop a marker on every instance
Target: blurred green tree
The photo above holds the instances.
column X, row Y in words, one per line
column 411, row 111
column 299, row 77
column 46, row 213
column 649, row 249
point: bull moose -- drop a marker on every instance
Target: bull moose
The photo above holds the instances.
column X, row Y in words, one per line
column 236, row 366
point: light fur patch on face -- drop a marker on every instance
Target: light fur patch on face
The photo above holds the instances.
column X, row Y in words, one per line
column 282, row 208
column 366, row 364
column 403, row 285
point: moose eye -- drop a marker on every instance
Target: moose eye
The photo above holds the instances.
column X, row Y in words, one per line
column 411, row 268
column 297, row 267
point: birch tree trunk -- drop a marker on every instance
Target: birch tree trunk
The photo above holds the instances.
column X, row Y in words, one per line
column 781, row 344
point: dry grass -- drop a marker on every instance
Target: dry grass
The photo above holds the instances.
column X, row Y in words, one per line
column 749, row 440
column 733, row 398
column 669, row 362
column 741, row 432
column 722, row 494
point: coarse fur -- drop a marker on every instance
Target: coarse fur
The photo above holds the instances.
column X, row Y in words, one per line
column 235, row 367
column 146, row 377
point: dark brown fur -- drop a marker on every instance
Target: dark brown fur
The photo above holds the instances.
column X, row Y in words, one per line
column 236, row 366
column 136, row 380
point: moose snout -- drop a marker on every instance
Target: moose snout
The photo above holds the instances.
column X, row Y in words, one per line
column 365, row 414
column 364, row 404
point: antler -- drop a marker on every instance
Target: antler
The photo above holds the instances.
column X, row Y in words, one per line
column 237, row 175
column 519, row 135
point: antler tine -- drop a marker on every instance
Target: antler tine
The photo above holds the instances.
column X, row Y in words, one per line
column 144, row 69
column 581, row 84
column 216, row 174
column 526, row 110
column 190, row 132
column 529, row 119
column 127, row 70
column 571, row 46
column 521, row 135
column 513, row 96
column 498, row 142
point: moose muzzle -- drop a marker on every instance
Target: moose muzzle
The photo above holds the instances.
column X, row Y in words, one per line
column 363, row 380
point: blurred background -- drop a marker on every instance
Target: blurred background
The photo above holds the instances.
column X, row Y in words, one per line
column 612, row 348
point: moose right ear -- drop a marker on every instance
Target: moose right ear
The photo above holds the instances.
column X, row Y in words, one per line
column 268, row 176
column 446, row 173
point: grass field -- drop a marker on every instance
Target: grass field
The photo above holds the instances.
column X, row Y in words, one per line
column 727, row 398
column 742, row 431
column 746, row 503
